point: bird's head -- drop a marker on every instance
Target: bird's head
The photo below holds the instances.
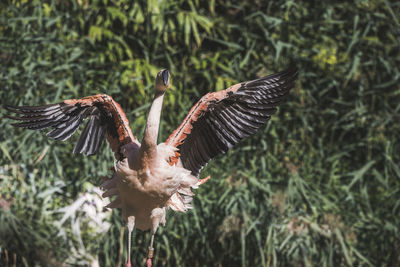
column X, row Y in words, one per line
column 162, row 81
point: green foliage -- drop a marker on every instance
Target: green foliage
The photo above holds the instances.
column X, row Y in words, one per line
column 318, row 186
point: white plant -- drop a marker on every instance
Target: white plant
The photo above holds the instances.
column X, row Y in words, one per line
column 86, row 213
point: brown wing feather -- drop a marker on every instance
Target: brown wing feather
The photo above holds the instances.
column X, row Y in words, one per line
column 105, row 118
column 219, row 120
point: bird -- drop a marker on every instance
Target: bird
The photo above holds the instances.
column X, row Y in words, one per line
column 149, row 178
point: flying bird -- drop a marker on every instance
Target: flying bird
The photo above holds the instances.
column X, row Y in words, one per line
column 149, row 178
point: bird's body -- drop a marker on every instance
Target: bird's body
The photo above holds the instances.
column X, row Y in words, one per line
column 146, row 190
column 149, row 178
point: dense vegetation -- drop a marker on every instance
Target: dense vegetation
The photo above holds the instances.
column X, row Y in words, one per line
column 318, row 186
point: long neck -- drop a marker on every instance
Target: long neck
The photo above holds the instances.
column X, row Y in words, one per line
column 153, row 122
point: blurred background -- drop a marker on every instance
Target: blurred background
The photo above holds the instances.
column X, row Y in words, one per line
column 319, row 185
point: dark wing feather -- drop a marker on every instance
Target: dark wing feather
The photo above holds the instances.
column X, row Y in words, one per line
column 219, row 120
column 105, row 118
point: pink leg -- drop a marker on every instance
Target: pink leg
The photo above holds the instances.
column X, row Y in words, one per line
column 151, row 250
column 157, row 216
column 130, row 225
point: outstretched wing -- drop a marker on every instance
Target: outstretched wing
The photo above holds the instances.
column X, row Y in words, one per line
column 105, row 119
column 219, row 120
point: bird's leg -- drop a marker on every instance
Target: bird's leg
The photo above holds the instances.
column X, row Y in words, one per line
column 150, row 253
column 130, row 224
column 157, row 216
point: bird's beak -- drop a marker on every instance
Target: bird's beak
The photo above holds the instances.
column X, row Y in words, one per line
column 165, row 77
